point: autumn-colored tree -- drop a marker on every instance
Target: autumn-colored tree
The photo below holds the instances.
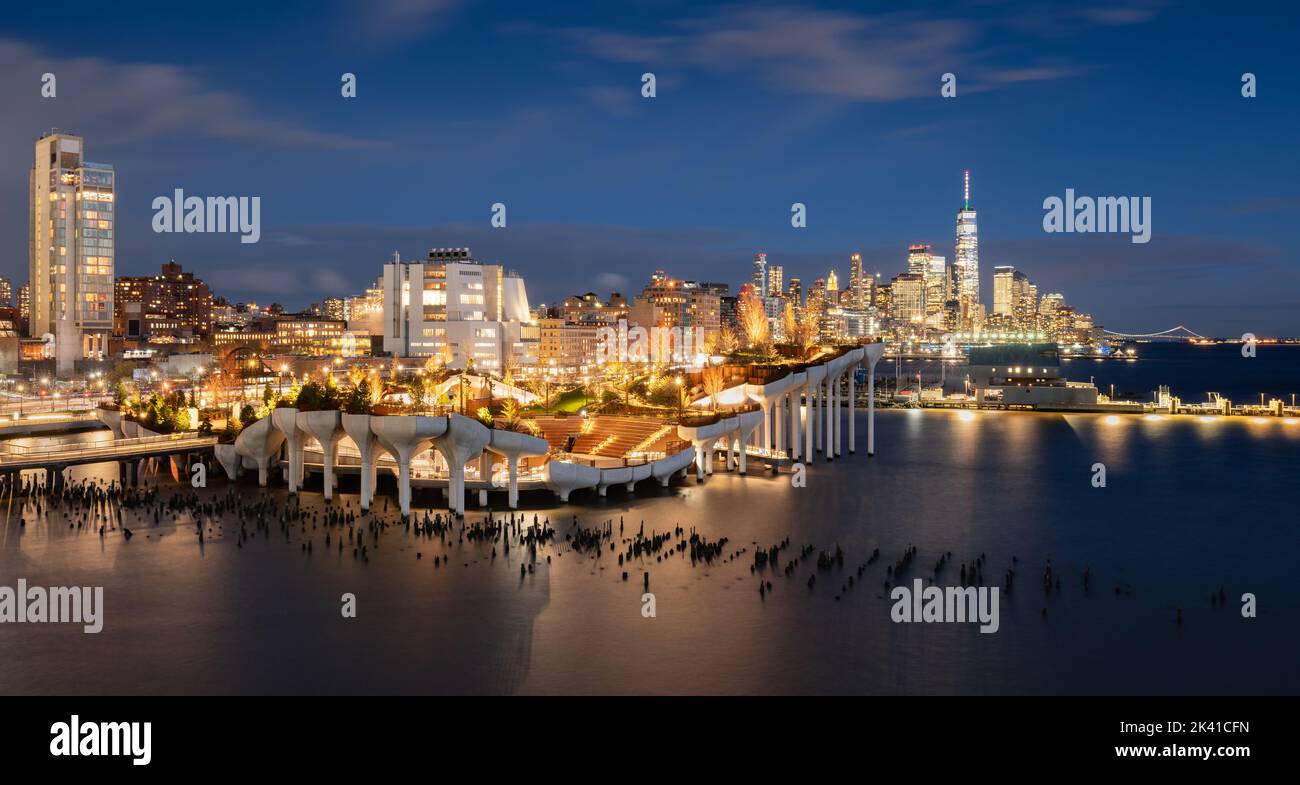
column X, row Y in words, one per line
column 376, row 386
column 753, row 321
column 714, row 381
column 789, row 324
column 728, row 341
column 805, row 334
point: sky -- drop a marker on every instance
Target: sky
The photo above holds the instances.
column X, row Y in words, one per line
column 538, row 106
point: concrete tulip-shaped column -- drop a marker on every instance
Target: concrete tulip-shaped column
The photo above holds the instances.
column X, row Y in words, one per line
column 227, row 456
column 260, row 442
column 746, row 423
column 462, row 439
column 814, row 377
column 404, row 437
column 872, row 353
column 856, row 356
column 639, row 473
column 286, row 422
column 828, row 441
column 513, row 446
column 792, row 425
column 701, row 458
column 113, row 419
column 326, row 427
column 766, row 403
column 800, row 387
column 703, row 438
column 565, row 478
column 664, row 468
column 853, row 409
column 839, row 413
column 730, row 428
column 778, row 441
column 357, row 427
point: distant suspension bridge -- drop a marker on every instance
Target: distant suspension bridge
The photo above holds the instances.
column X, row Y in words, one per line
column 1179, row 333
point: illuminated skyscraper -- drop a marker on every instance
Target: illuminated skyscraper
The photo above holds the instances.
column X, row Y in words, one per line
column 966, row 268
column 907, row 300
column 759, row 275
column 918, row 260
column 24, row 305
column 1007, row 285
column 938, row 290
column 833, row 288
column 775, row 280
column 70, row 250
column 856, row 283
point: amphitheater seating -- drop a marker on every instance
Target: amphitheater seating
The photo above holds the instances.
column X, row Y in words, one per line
column 557, row 430
column 616, row 436
column 609, row 436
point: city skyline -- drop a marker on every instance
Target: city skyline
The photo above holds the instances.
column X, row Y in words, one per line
column 614, row 183
column 780, row 348
column 463, row 311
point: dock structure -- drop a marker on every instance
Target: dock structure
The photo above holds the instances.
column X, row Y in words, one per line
column 59, row 454
column 787, row 415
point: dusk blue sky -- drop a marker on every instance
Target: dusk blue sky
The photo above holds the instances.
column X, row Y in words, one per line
column 538, row 106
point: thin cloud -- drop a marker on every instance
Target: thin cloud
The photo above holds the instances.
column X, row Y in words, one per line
column 855, row 57
column 398, row 22
column 132, row 103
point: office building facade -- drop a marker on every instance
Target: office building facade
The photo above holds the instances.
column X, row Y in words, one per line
column 71, row 250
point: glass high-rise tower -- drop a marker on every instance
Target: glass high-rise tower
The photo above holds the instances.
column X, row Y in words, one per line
column 966, row 266
column 759, row 275
column 70, row 250
column 856, row 282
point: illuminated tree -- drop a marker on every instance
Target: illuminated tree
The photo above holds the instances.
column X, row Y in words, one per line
column 510, row 412
column 715, row 381
column 789, row 324
column 753, row 321
column 728, row 341
column 805, row 334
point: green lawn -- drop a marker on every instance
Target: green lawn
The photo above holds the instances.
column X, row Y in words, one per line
column 568, row 402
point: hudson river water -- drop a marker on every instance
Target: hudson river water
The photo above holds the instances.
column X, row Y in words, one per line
column 1188, row 507
column 1189, row 371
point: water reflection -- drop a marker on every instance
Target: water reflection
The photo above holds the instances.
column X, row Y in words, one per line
column 1189, row 506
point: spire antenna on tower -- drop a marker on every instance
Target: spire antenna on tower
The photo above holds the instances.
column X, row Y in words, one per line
column 966, row 174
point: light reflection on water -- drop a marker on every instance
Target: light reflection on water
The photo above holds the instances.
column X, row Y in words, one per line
column 1189, row 506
